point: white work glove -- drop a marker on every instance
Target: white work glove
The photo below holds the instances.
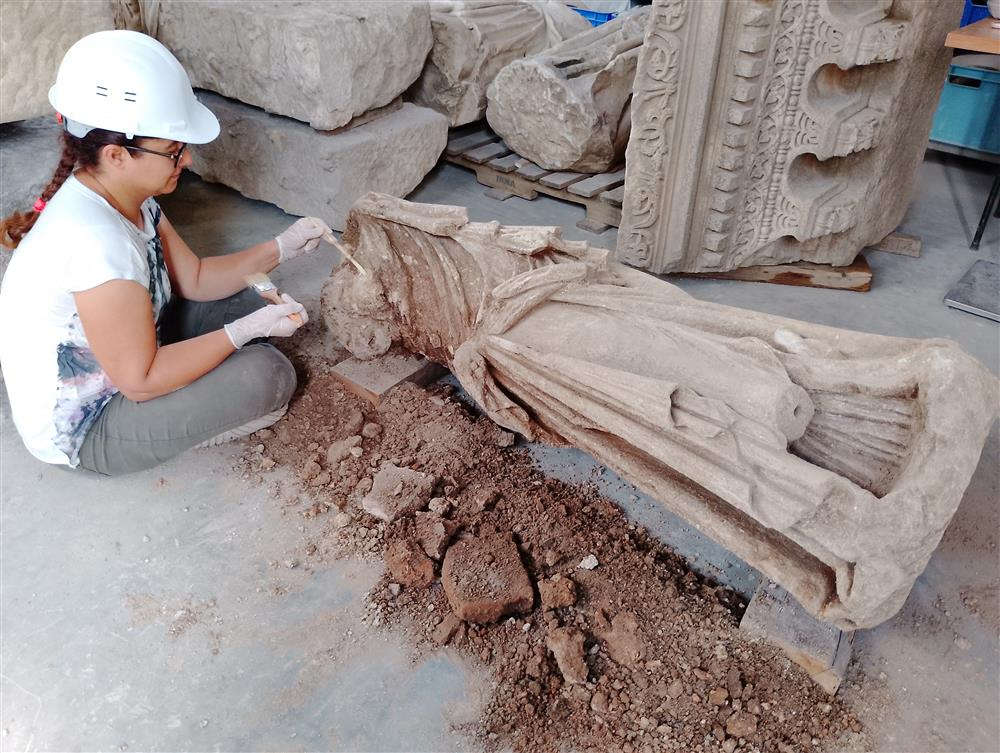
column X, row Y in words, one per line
column 270, row 321
column 301, row 238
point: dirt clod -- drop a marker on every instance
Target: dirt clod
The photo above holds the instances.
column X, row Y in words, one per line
column 408, row 564
column 566, row 645
column 663, row 700
column 434, row 533
column 557, row 591
column 484, row 579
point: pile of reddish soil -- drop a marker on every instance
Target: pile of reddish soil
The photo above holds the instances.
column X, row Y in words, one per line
column 666, row 666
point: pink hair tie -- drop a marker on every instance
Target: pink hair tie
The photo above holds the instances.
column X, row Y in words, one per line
column 39, row 204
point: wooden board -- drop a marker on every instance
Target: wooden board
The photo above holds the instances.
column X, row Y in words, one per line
column 470, row 141
column 507, row 174
column 487, row 152
column 899, row 243
column 856, row 277
column 596, row 184
column 615, row 196
column 530, row 170
column 981, row 36
column 506, row 164
column 560, row 179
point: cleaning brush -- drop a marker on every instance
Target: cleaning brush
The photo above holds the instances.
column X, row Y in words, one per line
column 268, row 291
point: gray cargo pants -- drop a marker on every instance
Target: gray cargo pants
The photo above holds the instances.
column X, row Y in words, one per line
column 254, row 381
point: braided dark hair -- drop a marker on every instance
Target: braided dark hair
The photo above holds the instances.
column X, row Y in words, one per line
column 76, row 152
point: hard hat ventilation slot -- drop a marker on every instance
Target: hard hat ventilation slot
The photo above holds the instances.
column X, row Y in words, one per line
column 102, row 91
column 129, row 96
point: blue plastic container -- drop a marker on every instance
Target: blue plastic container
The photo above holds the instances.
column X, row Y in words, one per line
column 968, row 113
column 975, row 10
column 595, row 18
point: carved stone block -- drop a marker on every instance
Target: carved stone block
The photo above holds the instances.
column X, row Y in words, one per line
column 36, row 36
column 568, row 108
column 474, row 39
column 321, row 62
column 319, row 173
column 769, row 132
column 830, row 460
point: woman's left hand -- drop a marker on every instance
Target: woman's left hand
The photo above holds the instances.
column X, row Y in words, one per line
column 302, row 237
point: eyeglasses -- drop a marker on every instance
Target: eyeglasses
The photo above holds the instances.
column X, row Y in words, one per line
column 176, row 156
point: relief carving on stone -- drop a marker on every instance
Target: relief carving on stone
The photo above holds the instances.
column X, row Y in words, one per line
column 761, row 130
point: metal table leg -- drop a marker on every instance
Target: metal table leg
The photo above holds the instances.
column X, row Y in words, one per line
column 991, row 201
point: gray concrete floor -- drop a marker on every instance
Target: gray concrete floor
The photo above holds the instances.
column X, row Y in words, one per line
column 152, row 612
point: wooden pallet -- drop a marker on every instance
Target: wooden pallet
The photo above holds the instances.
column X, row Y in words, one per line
column 856, row 276
column 506, row 174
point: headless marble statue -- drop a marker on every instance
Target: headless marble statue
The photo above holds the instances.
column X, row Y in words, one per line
column 830, row 460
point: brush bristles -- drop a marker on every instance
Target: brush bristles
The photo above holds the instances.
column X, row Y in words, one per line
column 259, row 281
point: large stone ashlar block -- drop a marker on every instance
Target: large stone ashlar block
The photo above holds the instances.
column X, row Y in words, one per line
column 36, row 35
column 320, row 62
column 319, row 173
column 474, row 39
column 769, row 132
column 830, row 460
column 568, row 108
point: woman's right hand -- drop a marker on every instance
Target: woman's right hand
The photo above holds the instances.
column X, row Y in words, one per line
column 273, row 320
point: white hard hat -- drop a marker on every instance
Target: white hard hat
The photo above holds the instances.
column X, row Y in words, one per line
column 128, row 82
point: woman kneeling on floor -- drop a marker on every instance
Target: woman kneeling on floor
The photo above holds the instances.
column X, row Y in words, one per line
column 104, row 369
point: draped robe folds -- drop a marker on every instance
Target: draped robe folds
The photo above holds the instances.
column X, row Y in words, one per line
column 830, row 460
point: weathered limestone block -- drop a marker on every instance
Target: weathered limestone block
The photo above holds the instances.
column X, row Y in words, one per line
column 765, row 133
column 36, row 36
column 568, row 108
column 309, row 172
column 320, row 62
column 474, row 39
column 830, row 460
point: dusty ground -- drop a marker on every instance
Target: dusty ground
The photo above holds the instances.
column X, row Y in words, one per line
column 651, row 657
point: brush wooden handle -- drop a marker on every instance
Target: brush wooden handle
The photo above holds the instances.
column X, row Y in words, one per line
column 274, row 297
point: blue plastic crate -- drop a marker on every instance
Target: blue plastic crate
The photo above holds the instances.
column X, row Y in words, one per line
column 975, row 10
column 968, row 113
column 595, row 18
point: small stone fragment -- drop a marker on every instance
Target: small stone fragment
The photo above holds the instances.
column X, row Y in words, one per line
column 729, row 745
column 408, row 563
column 485, row 498
column 446, row 630
column 566, row 644
column 311, row 469
column 675, row 689
column 439, row 505
column 599, row 702
column 625, row 645
column 398, row 492
column 556, row 592
column 371, row 430
column 588, row 563
column 340, row 450
column 741, row 724
column 717, row 696
column 341, row 519
column 357, row 452
column 733, row 683
column 434, row 533
column 395, row 588
column 320, row 479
